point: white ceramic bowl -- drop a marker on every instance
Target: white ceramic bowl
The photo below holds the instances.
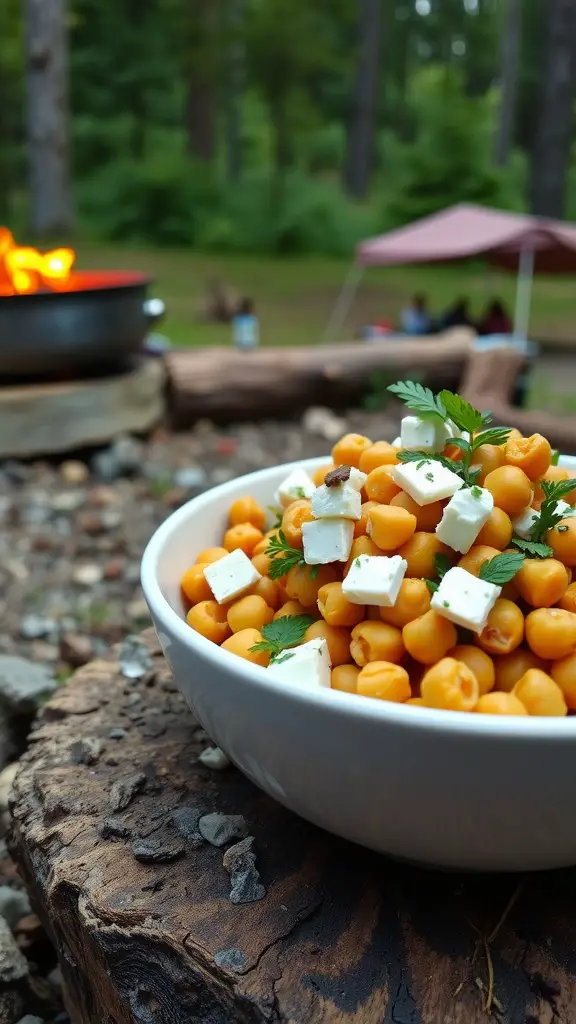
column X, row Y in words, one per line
column 441, row 788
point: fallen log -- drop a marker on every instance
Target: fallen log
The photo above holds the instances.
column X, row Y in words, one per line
column 224, row 384
column 107, row 833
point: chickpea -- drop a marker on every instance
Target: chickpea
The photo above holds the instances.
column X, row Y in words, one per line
column 531, row 454
column 244, row 536
column 380, row 485
column 568, row 599
column 478, row 662
column 500, row 704
column 487, row 457
column 270, row 591
column 319, row 475
column 511, row 667
column 504, row 630
column 209, row 555
column 450, row 685
column 347, row 451
column 510, row 488
column 209, row 619
column 541, row 582
column 361, row 525
column 476, row 556
column 497, row 530
column 376, row 641
column 194, row 586
column 390, row 526
column 250, row 612
column 241, row 643
column 247, row 510
column 262, row 564
column 413, row 601
column 297, row 513
column 427, row 516
column 419, row 552
column 291, row 608
column 551, row 633
column 302, row 585
column 361, row 546
column 381, row 453
column 539, row 694
column 562, row 540
column 344, row 678
column 337, row 638
column 336, row 609
column 384, row 681
column 429, row 637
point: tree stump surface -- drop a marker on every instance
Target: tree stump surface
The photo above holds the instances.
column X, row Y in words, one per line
column 342, row 936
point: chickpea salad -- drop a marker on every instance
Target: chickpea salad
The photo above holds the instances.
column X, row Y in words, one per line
column 435, row 571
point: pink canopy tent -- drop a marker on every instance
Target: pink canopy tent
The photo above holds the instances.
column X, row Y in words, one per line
column 513, row 241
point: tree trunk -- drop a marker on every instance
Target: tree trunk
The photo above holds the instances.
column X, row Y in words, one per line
column 554, row 131
column 361, row 124
column 201, row 94
column 48, row 116
column 235, row 89
column 508, row 82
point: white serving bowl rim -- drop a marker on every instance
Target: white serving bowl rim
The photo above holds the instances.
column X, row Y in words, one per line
column 500, row 727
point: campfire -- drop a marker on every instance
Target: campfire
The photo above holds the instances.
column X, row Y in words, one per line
column 25, row 270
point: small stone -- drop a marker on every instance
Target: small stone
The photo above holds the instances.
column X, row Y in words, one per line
column 23, row 683
column 190, row 478
column 75, row 649
column 14, row 904
column 117, row 733
column 123, row 458
column 87, row 575
column 240, row 863
column 114, row 569
column 33, row 627
column 134, row 659
column 138, row 610
column 221, row 475
column 234, row 959
column 214, row 758
column 125, row 789
column 113, row 828
column 90, row 522
column 219, row 829
column 7, row 777
column 67, row 501
column 86, row 750
column 155, row 851
column 132, row 699
column 321, row 421
column 13, row 965
column 186, row 821
column 17, row 472
column 102, row 497
column 74, row 472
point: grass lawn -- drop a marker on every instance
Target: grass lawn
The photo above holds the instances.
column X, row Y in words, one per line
column 294, row 297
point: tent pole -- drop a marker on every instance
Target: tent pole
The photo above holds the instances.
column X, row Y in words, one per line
column 343, row 303
column 523, row 294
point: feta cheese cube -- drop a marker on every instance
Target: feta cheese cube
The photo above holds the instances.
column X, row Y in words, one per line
column 426, row 482
column 375, row 579
column 524, row 523
column 421, row 434
column 357, row 479
column 306, row 666
column 231, row 576
column 342, row 501
column 397, row 442
column 327, row 540
column 464, row 517
column 464, row 599
column 566, row 509
column 296, row 485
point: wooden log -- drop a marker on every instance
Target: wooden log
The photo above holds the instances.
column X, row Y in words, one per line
column 342, row 936
column 226, row 384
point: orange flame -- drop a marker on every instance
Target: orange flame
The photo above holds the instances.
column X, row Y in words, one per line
column 24, row 270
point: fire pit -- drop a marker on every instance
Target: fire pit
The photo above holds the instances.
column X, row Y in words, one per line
column 58, row 323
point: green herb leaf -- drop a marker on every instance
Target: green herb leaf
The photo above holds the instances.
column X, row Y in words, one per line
column 441, row 564
column 462, row 444
column 418, row 398
column 530, row 547
column 555, row 490
column 472, row 475
column 476, row 492
column 283, row 556
column 494, row 435
column 279, row 658
column 282, row 633
column 299, row 492
column 555, row 457
column 550, row 516
column 432, row 587
column 502, row 568
column 423, row 457
column 464, row 415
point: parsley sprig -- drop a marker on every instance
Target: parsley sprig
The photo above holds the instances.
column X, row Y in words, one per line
column 550, row 516
column 281, row 634
column 418, row 398
column 533, row 548
column 502, row 568
column 284, row 557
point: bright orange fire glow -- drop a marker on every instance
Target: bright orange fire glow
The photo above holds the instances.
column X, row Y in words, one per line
column 24, row 269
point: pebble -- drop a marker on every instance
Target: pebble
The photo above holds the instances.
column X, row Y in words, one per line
column 67, row 501
column 33, row 627
column 322, row 421
column 14, row 904
column 240, row 863
column 138, row 610
column 124, row 789
column 190, row 478
column 86, row 750
column 23, row 683
column 122, row 458
column 155, row 851
column 13, row 964
column 74, row 472
column 219, row 829
column 234, row 959
column 75, row 650
column 102, row 496
column 112, row 828
column 214, row 758
column 87, row 575
column 117, row 733
column 186, row 821
column 134, row 659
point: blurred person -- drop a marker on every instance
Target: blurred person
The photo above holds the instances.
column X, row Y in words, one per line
column 245, row 326
column 495, row 319
column 415, row 318
column 456, row 315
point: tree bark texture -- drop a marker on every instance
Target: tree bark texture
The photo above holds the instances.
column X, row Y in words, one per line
column 551, row 155
column 342, row 936
column 201, row 94
column 508, row 82
column 48, row 116
column 360, row 140
column 236, row 74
